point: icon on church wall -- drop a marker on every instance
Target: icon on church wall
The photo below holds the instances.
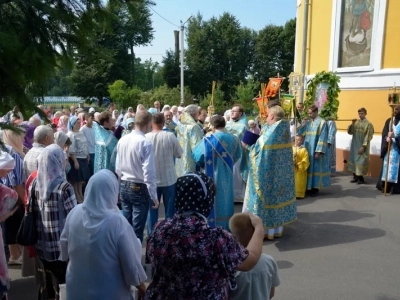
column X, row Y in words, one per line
column 356, row 29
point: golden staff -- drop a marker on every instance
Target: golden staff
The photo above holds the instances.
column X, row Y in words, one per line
column 211, row 105
column 393, row 99
column 388, row 153
column 263, row 85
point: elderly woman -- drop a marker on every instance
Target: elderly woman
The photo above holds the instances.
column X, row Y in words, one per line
column 16, row 181
column 103, row 251
column 191, row 260
column 78, row 157
column 8, row 205
column 253, row 127
column 129, row 126
column 62, row 140
column 53, row 198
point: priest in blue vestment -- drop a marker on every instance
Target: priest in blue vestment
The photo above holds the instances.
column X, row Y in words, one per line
column 106, row 143
column 270, row 191
column 217, row 154
column 315, row 133
column 238, row 126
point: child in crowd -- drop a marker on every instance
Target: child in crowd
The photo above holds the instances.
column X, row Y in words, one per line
column 301, row 164
column 261, row 281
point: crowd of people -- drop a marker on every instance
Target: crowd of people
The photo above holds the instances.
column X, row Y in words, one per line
column 95, row 179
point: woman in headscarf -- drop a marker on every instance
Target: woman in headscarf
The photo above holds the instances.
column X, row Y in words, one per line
column 118, row 117
column 63, row 124
column 62, row 140
column 56, row 117
column 82, row 118
column 8, row 205
column 15, row 140
column 204, row 259
column 16, row 181
column 78, row 157
column 54, row 198
column 129, row 126
column 103, row 251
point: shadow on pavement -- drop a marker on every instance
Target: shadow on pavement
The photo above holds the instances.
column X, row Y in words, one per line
column 284, row 264
column 385, row 297
column 336, row 216
column 23, row 289
column 301, row 235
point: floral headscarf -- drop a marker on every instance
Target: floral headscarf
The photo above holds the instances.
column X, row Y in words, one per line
column 195, row 192
column 62, row 124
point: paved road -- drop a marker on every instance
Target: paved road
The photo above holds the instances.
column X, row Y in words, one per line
column 344, row 246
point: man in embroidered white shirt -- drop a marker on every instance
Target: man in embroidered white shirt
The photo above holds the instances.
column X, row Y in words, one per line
column 135, row 166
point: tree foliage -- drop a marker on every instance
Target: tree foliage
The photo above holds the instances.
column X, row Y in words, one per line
column 218, row 50
column 37, row 35
column 244, row 94
column 170, row 69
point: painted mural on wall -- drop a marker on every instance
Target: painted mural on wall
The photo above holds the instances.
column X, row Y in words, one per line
column 356, row 30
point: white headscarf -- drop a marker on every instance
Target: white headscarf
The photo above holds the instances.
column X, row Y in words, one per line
column 51, row 171
column 101, row 197
column 7, row 162
column 166, row 106
column 60, row 138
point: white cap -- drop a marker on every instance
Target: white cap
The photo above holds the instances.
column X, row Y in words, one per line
column 92, row 110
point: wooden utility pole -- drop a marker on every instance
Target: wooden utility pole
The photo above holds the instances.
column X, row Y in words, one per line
column 176, row 34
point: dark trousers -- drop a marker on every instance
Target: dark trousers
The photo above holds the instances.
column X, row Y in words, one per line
column 135, row 202
column 58, row 270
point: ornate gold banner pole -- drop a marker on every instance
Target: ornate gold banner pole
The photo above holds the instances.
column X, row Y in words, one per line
column 210, row 108
column 393, row 100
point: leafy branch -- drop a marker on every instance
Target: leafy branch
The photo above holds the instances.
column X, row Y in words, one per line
column 331, row 106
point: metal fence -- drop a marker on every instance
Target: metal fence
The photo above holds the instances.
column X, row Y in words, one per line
column 60, row 102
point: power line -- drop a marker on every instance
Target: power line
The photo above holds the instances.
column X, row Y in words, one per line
column 164, row 18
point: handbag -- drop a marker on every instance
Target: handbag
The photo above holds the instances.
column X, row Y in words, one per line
column 27, row 233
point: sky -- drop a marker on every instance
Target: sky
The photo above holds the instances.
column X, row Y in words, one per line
column 254, row 14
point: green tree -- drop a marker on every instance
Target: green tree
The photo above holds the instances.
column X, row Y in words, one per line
column 218, row 50
column 274, row 52
column 35, row 35
column 170, row 69
column 245, row 93
column 220, row 105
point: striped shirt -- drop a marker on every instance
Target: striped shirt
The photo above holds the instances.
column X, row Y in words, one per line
column 16, row 177
column 166, row 148
column 50, row 219
column 30, row 160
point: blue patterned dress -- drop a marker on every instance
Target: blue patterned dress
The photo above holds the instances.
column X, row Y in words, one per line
column 332, row 129
column 105, row 148
column 316, row 140
column 189, row 134
column 219, row 166
column 394, row 159
column 270, row 191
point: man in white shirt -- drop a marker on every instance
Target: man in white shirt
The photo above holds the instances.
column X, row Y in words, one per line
column 73, row 108
column 88, row 132
column 136, row 168
column 42, row 137
column 166, row 148
column 157, row 106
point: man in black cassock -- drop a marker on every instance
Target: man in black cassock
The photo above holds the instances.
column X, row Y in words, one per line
column 393, row 188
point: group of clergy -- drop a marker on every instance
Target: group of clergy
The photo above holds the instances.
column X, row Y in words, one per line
column 287, row 161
